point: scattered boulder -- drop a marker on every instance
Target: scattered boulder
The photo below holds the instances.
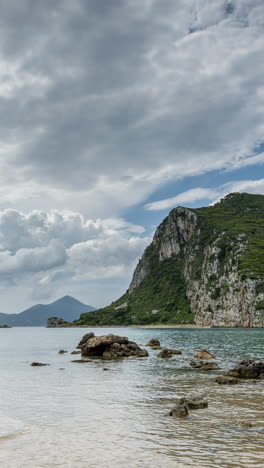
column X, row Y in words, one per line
column 179, row 411
column 194, row 402
column 203, row 354
column 168, row 353
column 226, row 380
column 62, row 351
column 76, row 352
column 110, row 347
column 206, row 366
column 247, row 369
column 153, row 342
column 38, row 364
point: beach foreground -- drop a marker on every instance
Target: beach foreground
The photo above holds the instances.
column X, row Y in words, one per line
column 78, row 415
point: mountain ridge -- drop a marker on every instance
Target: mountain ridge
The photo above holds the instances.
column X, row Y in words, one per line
column 67, row 307
column 203, row 266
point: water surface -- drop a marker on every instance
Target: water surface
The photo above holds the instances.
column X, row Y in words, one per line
column 79, row 415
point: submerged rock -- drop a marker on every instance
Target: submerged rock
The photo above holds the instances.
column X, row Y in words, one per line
column 153, row 342
column 179, row 411
column 194, row 402
column 76, row 352
column 38, row 364
column 62, row 351
column 203, row 354
column 168, row 353
column 226, row 380
column 110, row 347
column 206, row 366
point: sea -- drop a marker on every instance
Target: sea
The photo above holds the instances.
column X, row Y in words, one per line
column 114, row 414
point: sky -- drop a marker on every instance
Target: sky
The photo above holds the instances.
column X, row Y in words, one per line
column 113, row 112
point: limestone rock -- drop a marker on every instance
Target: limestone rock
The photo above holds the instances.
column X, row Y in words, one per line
column 179, row 411
column 226, row 380
column 194, row 402
column 168, row 353
column 153, row 342
column 247, row 369
column 205, row 366
column 110, row 347
column 204, row 354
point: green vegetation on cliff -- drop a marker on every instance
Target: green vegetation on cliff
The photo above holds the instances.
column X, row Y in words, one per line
column 161, row 297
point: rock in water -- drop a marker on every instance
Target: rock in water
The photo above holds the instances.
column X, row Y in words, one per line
column 168, row 353
column 226, row 380
column 38, row 364
column 110, row 347
column 206, row 366
column 204, row 354
column 153, row 342
column 247, row 369
column 62, row 351
column 179, row 411
column 194, row 402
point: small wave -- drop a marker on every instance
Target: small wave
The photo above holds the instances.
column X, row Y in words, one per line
column 10, row 427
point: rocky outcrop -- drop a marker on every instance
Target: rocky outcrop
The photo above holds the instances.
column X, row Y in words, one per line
column 247, row 369
column 219, row 291
column 203, row 266
column 56, row 322
column 110, row 347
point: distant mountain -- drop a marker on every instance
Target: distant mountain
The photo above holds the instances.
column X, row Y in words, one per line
column 67, row 308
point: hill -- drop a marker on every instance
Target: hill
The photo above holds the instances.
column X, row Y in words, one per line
column 67, row 308
column 204, row 266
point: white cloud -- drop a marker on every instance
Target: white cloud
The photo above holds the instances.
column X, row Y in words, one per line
column 132, row 95
column 47, row 251
column 210, row 194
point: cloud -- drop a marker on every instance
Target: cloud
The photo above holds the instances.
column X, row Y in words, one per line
column 210, row 194
column 55, row 249
column 102, row 102
column 189, row 196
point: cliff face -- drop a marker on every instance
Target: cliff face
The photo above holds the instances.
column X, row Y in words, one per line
column 204, row 266
column 219, row 292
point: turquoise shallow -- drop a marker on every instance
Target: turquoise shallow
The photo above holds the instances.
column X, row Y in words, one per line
column 78, row 415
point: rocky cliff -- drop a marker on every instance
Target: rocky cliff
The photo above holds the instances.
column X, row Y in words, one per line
column 204, row 265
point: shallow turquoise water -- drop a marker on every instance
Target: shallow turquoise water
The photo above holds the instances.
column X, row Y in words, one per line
column 78, row 415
